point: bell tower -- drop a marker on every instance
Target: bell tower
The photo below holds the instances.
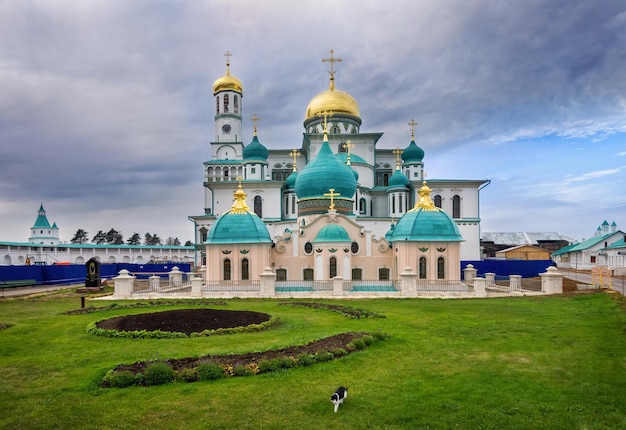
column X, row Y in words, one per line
column 228, row 97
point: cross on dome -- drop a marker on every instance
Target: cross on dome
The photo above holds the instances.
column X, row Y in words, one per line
column 332, row 196
column 412, row 124
column 255, row 120
column 295, row 153
column 228, row 55
column 332, row 60
column 348, row 145
column 397, row 152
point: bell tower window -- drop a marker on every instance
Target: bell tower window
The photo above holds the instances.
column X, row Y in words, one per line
column 236, row 103
column 226, row 102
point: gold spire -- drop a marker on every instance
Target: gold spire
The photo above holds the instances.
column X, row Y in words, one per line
column 424, row 202
column 295, row 153
column 348, row 145
column 412, row 124
column 397, row 152
column 332, row 60
column 240, row 206
column 332, row 196
column 254, row 120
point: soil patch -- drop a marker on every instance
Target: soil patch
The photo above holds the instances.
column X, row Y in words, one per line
column 184, row 320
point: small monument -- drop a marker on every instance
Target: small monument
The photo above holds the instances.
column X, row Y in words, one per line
column 93, row 273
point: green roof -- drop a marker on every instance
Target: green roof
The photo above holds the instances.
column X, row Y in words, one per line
column 255, row 151
column 235, row 227
column 423, row 225
column 332, row 233
column 412, row 153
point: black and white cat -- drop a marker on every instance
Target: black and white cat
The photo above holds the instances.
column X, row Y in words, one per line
column 338, row 396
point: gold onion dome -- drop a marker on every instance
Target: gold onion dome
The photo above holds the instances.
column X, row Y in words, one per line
column 227, row 82
column 332, row 100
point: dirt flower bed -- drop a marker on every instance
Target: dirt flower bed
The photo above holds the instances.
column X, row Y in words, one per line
column 209, row 367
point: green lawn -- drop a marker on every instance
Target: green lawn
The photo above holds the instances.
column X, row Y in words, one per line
column 555, row 362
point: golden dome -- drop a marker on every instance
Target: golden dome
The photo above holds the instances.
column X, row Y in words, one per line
column 332, row 100
column 227, row 83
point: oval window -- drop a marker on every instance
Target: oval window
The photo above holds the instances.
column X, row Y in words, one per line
column 354, row 247
column 308, row 247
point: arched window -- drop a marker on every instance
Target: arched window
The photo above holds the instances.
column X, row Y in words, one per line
column 217, row 105
column 357, row 274
column 236, row 103
column 227, row 269
column 258, row 206
column 393, row 203
column 245, row 269
column 456, row 207
column 307, row 274
column 362, row 206
column 286, row 204
column 335, row 130
column 226, row 102
column 400, row 203
column 441, row 268
column 203, row 234
column 383, row 274
column 422, row 268
column 281, row 274
column 332, row 266
column 385, row 179
column 438, row 201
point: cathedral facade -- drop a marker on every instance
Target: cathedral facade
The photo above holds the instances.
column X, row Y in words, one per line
column 338, row 173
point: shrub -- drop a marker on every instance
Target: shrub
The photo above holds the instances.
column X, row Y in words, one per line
column 266, row 366
column 357, row 344
column 121, row 379
column 305, row 359
column 368, row 340
column 324, row 356
column 210, row 371
column 158, row 374
column 340, row 352
column 240, row 370
column 188, row 375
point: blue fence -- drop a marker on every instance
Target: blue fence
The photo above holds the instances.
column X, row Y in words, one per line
column 504, row 268
column 76, row 273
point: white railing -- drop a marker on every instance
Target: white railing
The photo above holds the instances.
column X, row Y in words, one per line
column 231, row 286
column 371, row 286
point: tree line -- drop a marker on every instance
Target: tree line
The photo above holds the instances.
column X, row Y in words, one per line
column 114, row 237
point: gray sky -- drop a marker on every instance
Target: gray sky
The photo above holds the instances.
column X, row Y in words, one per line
column 106, row 107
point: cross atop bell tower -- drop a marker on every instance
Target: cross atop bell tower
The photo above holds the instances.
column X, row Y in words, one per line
column 332, row 60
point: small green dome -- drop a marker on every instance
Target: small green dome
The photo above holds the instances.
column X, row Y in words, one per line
column 326, row 171
column 255, row 151
column 239, row 225
column 332, row 233
column 398, row 179
column 290, row 183
column 425, row 223
column 413, row 153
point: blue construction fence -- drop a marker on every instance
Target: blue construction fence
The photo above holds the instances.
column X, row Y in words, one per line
column 504, row 268
column 77, row 273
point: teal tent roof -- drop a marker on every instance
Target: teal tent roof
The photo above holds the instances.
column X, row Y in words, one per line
column 412, row 153
column 255, row 151
column 42, row 220
column 332, row 233
column 326, row 171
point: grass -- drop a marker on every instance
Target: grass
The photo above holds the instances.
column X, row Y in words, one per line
column 556, row 362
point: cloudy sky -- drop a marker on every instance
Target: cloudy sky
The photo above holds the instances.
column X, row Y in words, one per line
column 106, row 107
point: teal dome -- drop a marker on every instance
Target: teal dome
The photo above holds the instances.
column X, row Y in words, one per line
column 255, row 151
column 326, row 171
column 425, row 223
column 290, row 183
column 413, row 153
column 398, row 179
column 239, row 225
column 332, row 233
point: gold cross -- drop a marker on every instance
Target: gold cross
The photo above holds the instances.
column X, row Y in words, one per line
column 348, row 145
column 325, row 114
column 239, row 178
column 254, row 120
column 412, row 124
column 332, row 60
column 332, row 195
column 295, row 153
column 228, row 55
column 397, row 152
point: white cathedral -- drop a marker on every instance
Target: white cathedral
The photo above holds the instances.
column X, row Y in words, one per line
column 387, row 182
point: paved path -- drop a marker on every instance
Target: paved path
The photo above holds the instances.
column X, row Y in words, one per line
column 23, row 291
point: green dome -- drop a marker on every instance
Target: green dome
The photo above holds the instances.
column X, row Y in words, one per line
column 326, row 171
column 398, row 179
column 425, row 223
column 239, row 225
column 412, row 153
column 255, row 151
column 332, row 233
column 290, row 183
